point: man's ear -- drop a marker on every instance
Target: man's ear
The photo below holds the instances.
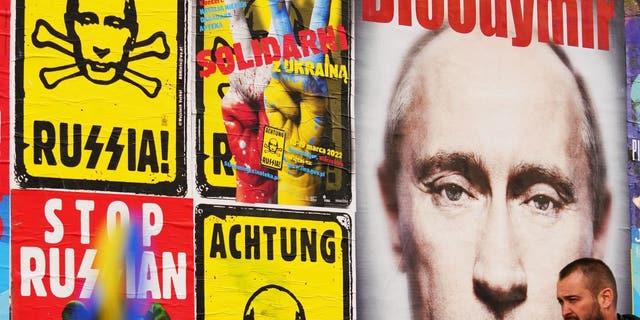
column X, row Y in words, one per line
column 605, row 299
column 601, row 229
column 387, row 186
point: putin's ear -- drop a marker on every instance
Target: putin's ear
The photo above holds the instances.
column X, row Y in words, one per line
column 601, row 227
column 387, row 185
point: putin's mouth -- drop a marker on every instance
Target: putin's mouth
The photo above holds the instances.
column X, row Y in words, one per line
column 100, row 67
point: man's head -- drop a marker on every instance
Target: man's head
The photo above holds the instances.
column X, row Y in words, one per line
column 103, row 35
column 493, row 177
column 586, row 290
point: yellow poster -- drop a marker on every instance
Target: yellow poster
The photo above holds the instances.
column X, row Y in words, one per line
column 273, row 97
column 274, row 263
column 273, row 148
column 100, row 95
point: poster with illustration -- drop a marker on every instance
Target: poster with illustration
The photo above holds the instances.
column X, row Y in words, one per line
column 99, row 95
column 273, row 99
column 278, row 264
column 5, row 110
column 5, row 242
column 101, row 256
column 632, row 41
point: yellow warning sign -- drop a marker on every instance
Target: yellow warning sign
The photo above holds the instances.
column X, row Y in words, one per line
column 103, row 94
column 272, row 262
column 272, row 148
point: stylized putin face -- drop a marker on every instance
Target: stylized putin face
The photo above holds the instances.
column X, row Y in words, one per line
column 492, row 191
column 103, row 34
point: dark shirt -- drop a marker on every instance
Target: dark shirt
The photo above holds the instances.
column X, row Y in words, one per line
column 627, row 317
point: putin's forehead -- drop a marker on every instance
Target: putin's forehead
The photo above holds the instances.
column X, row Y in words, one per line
column 103, row 7
column 471, row 84
column 490, row 66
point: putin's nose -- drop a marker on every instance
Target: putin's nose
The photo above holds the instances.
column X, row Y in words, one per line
column 499, row 280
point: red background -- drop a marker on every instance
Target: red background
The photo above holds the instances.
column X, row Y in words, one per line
column 29, row 226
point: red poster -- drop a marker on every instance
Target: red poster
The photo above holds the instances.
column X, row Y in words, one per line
column 64, row 248
column 5, row 27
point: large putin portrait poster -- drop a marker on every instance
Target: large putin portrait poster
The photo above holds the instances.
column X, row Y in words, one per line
column 497, row 155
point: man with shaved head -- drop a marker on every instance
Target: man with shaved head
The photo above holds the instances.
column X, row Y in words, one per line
column 493, row 177
column 587, row 290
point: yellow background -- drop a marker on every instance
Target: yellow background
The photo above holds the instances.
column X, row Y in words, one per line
column 118, row 104
column 228, row 283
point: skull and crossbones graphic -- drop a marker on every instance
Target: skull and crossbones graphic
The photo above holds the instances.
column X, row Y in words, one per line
column 101, row 37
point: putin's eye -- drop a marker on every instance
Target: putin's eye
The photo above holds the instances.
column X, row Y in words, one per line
column 452, row 192
column 114, row 22
column 543, row 203
column 86, row 18
column 543, row 199
column 448, row 189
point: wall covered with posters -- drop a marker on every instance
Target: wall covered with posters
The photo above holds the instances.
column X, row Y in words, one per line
column 210, row 159
column 185, row 160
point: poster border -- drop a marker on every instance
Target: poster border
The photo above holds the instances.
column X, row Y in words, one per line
column 347, row 105
column 177, row 187
column 202, row 211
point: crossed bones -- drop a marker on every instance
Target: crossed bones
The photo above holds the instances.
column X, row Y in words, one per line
column 45, row 35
